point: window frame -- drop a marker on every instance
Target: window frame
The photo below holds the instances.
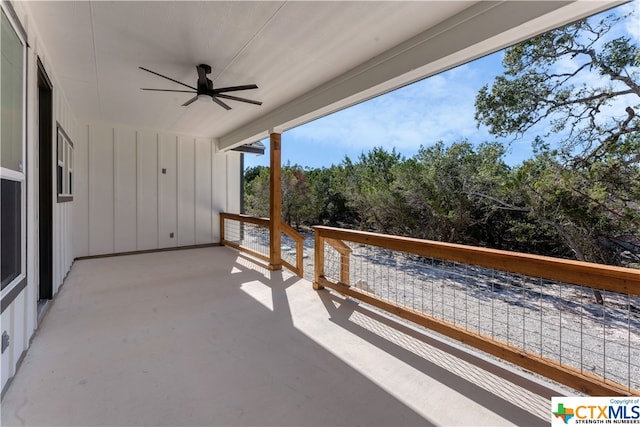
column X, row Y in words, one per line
column 13, row 288
column 64, row 165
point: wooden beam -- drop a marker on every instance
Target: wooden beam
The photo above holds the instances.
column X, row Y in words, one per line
column 245, row 250
column 597, row 276
column 344, row 252
column 339, row 246
column 318, row 261
column 263, row 222
column 275, row 202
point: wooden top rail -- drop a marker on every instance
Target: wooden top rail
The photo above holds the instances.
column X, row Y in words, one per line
column 340, row 246
column 598, row 276
column 245, row 218
column 291, row 232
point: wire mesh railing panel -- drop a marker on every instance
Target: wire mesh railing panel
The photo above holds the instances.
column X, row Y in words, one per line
column 288, row 249
column 246, row 235
column 558, row 321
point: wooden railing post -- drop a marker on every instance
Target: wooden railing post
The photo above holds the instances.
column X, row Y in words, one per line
column 344, row 250
column 275, row 202
column 299, row 257
column 222, row 229
column 344, row 268
column 318, row 260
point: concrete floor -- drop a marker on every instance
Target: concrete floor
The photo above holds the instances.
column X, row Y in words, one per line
column 207, row 337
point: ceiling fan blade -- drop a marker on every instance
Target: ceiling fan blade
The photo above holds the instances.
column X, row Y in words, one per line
column 191, row 101
column 168, row 78
column 220, row 103
column 234, row 88
column 236, row 98
column 169, row 90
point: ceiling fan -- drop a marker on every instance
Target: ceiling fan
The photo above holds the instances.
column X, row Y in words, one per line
column 205, row 88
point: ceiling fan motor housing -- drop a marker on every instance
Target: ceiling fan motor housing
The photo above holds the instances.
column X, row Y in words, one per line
column 206, row 68
column 205, row 85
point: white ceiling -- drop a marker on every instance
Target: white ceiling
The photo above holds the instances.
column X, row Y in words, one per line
column 287, row 48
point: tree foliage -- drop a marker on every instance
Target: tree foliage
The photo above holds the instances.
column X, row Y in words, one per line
column 580, row 82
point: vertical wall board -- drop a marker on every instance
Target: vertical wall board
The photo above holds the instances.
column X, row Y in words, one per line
column 203, row 194
column 58, row 245
column 81, row 193
column 219, row 182
column 233, row 182
column 167, row 197
column 19, row 344
column 70, row 236
column 147, row 190
column 186, row 186
column 125, row 190
column 101, row 190
column 147, row 205
column 8, row 365
column 54, row 210
column 63, row 240
column 33, row 172
column 55, row 231
column 29, row 315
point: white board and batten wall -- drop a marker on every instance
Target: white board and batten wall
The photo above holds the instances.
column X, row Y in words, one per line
column 19, row 319
column 122, row 200
column 140, row 189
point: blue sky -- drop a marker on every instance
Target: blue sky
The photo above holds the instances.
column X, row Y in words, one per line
column 437, row 108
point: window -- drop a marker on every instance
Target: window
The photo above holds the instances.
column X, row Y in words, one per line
column 12, row 129
column 64, row 166
column 11, row 242
column 12, row 153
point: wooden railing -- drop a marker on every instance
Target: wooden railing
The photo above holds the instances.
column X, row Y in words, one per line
column 245, row 242
column 298, row 269
column 238, row 241
column 597, row 277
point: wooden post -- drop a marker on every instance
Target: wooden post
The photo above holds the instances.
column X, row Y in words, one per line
column 275, row 202
column 318, row 260
column 344, row 268
column 344, row 250
column 299, row 257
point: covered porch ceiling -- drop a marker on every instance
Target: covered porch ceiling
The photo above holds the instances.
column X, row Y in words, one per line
column 309, row 59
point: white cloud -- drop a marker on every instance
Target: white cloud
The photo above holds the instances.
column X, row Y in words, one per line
column 438, row 108
column 632, row 25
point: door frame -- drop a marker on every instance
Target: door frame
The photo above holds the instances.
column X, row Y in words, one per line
column 45, row 185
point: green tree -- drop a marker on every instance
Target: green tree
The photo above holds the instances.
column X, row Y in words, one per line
column 328, row 193
column 297, row 206
column 256, row 193
column 579, row 84
column 297, row 203
column 370, row 193
column 451, row 192
column 252, row 173
column 579, row 79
